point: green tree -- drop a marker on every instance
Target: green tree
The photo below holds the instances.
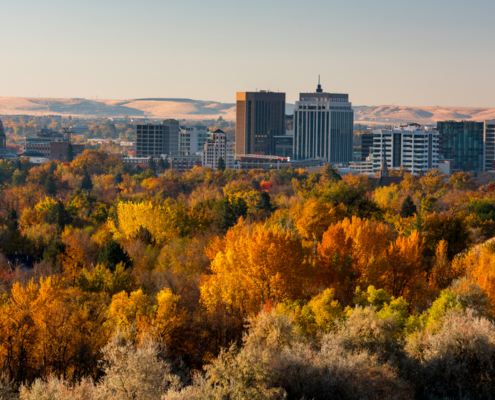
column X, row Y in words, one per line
column 220, row 164
column 6, row 171
column 152, row 164
column 19, row 177
column 331, row 173
column 407, row 208
column 69, row 155
column 453, row 229
column 58, row 215
column 263, row 203
column 118, row 178
column 163, row 164
column 50, row 186
column 53, row 251
column 113, row 254
column 229, row 211
column 86, row 182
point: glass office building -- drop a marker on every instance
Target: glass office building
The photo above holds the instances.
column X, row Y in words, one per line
column 323, row 127
column 462, row 142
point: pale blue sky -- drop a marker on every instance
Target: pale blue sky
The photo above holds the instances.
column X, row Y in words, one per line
column 418, row 52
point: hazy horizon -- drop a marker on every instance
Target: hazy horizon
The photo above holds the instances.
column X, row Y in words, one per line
column 422, row 53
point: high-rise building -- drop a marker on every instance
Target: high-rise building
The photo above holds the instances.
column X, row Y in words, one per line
column 155, row 139
column 216, row 147
column 193, row 139
column 408, row 146
column 489, row 145
column 463, row 142
column 323, row 127
column 3, row 138
column 259, row 117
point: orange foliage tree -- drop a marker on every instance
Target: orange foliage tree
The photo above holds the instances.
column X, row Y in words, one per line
column 255, row 265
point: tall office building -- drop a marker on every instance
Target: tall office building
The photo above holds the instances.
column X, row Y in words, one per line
column 408, row 146
column 463, row 143
column 489, row 145
column 157, row 138
column 259, row 117
column 323, row 127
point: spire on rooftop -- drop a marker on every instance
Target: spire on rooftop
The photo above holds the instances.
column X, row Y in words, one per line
column 318, row 88
column 384, row 168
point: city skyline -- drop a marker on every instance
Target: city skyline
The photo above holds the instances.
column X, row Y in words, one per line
column 386, row 52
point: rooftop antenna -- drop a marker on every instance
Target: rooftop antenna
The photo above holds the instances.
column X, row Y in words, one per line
column 319, row 89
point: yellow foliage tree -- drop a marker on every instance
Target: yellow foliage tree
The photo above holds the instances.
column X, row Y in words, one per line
column 260, row 265
column 314, row 218
column 352, row 253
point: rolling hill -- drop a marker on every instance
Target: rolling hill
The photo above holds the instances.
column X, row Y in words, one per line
column 199, row 109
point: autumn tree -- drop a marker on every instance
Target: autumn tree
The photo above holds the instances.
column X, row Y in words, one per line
column 255, row 266
column 353, row 253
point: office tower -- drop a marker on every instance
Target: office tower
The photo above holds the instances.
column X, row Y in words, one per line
column 216, row 147
column 489, row 145
column 3, row 138
column 366, row 145
column 193, row 139
column 157, row 138
column 409, row 146
column 323, row 127
column 463, row 143
column 259, row 117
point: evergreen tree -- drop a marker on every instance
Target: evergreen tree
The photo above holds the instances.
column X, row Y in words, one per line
column 50, row 186
column 229, row 211
column 220, row 164
column 152, row 164
column 51, row 252
column 163, row 164
column 12, row 217
column 118, row 178
column 86, row 182
column 331, row 173
column 69, row 155
column 264, row 203
column 113, row 254
column 407, row 208
column 58, row 215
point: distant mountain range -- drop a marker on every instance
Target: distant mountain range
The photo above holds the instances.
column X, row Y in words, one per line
column 199, row 110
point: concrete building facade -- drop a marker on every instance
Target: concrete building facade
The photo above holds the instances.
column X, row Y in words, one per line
column 216, row 147
column 193, row 138
column 155, row 139
column 408, row 146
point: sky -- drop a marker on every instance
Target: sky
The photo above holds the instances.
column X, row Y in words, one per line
column 403, row 52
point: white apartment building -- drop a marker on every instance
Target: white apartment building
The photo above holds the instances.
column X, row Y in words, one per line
column 217, row 147
column 193, row 138
column 323, row 127
column 489, row 145
column 411, row 146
